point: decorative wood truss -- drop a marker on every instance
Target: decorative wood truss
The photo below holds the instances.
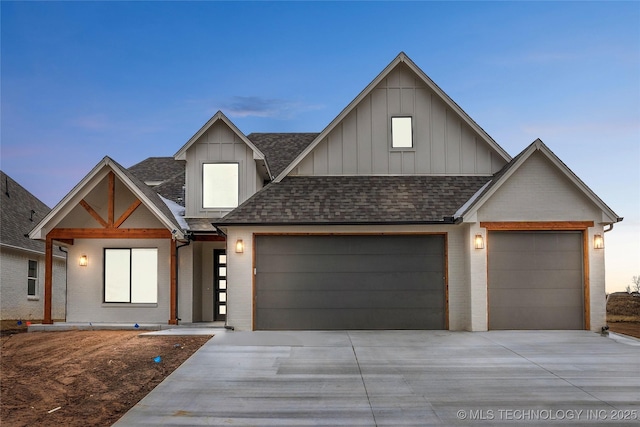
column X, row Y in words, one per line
column 110, row 230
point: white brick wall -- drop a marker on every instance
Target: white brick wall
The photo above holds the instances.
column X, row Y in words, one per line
column 86, row 284
column 14, row 302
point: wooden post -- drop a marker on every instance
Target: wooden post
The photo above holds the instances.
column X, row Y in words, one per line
column 173, row 320
column 48, row 281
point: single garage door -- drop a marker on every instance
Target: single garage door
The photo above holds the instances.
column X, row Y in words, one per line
column 535, row 280
column 350, row 282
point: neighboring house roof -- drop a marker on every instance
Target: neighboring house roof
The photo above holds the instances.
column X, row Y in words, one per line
column 148, row 196
column 510, row 168
column 357, row 200
column 281, row 148
column 401, row 58
column 219, row 116
column 164, row 174
column 20, row 211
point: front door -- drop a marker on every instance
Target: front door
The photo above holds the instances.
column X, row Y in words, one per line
column 220, row 284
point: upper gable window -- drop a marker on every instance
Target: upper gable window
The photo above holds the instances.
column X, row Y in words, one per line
column 401, row 132
column 219, row 185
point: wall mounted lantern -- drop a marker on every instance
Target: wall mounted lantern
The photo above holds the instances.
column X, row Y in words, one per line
column 598, row 241
column 239, row 246
column 478, row 241
column 84, row 261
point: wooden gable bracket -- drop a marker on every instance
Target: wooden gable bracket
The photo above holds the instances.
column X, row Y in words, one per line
column 110, row 223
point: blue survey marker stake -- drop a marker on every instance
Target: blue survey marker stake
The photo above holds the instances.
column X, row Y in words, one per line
column 157, row 359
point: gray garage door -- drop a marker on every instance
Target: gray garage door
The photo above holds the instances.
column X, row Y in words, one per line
column 535, row 280
column 350, row 282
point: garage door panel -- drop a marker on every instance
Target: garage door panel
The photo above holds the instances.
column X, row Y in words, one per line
column 358, row 263
column 349, row 300
column 529, row 298
column 336, row 244
column 535, row 280
column 398, row 281
column 350, row 282
column 536, row 318
column 322, row 319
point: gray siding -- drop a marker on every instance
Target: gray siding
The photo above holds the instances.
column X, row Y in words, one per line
column 360, row 144
column 218, row 144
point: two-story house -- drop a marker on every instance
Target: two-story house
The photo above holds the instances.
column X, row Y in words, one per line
column 403, row 213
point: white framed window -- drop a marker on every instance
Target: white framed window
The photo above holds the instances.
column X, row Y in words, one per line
column 401, row 132
column 131, row 275
column 32, row 278
column 220, row 185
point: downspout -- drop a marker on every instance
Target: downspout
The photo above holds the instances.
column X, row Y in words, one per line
column 189, row 237
column 608, row 230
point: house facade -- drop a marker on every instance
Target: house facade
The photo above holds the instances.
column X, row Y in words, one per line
column 22, row 260
column 401, row 214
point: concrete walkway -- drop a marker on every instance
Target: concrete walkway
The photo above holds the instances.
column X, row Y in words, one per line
column 398, row 378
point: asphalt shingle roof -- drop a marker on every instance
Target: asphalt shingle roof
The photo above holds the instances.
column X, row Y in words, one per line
column 16, row 218
column 166, row 170
column 281, row 149
column 356, row 199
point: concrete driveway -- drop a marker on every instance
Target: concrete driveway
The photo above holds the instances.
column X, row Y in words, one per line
column 395, row 378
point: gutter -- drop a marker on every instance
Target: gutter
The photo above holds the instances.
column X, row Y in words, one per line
column 444, row 221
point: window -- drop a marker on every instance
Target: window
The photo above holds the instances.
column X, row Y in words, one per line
column 219, row 185
column 131, row 275
column 32, row 278
column 401, row 132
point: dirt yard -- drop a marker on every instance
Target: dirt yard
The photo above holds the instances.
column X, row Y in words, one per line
column 83, row 378
column 623, row 314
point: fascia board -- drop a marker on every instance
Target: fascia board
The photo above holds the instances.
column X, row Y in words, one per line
column 257, row 154
column 65, row 206
column 402, row 57
column 578, row 182
column 473, row 209
column 148, row 203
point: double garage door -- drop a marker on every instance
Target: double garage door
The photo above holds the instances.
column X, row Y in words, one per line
column 350, row 282
column 536, row 280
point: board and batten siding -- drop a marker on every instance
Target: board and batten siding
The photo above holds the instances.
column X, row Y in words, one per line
column 218, row 144
column 360, row 145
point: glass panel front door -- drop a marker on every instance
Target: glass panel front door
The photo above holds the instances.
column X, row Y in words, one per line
column 220, row 284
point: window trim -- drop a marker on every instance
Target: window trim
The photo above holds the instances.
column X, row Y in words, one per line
column 391, row 134
column 34, row 278
column 202, row 182
column 132, row 284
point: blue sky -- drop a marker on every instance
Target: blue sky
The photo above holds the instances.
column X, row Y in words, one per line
column 81, row 80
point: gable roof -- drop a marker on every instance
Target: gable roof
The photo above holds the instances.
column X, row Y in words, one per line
column 219, row 116
column 281, row 148
column 164, row 174
column 360, row 199
column 147, row 196
column 510, row 168
column 20, row 211
column 402, row 58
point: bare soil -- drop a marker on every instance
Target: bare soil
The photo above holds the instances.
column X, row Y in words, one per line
column 623, row 314
column 83, row 378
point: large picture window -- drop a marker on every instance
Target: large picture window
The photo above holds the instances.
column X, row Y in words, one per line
column 32, row 278
column 131, row 275
column 219, row 185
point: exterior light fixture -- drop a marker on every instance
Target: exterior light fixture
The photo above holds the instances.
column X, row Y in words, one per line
column 598, row 241
column 239, row 246
column 478, row 241
column 84, row 261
